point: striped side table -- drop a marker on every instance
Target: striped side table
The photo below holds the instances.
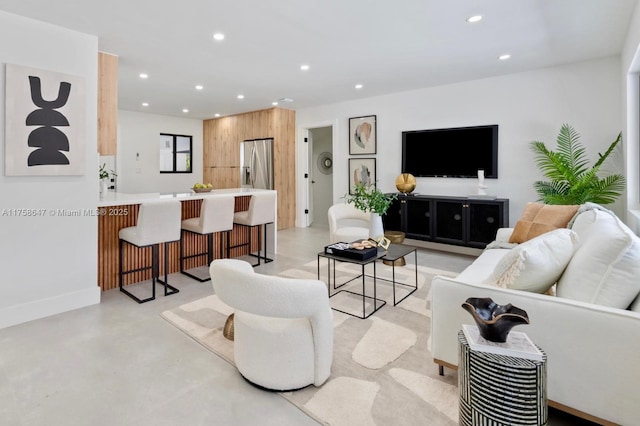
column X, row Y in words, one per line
column 500, row 390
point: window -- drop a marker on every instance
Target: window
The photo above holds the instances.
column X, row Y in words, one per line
column 175, row 153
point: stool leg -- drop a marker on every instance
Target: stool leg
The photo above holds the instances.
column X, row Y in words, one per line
column 266, row 258
column 121, row 273
column 166, row 284
column 154, row 268
column 210, row 249
column 181, row 251
column 259, row 244
column 228, row 244
column 121, row 242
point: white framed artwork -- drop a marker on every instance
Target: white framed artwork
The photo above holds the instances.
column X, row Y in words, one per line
column 45, row 123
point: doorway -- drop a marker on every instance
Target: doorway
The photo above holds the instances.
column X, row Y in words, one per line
column 320, row 163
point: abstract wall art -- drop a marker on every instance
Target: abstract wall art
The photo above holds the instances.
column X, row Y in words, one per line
column 361, row 171
column 45, row 123
column 362, row 135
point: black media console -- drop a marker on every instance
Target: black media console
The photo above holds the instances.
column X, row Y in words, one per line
column 450, row 220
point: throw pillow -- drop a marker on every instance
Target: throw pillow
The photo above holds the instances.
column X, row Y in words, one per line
column 537, row 264
column 539, row 218
column 606, row 266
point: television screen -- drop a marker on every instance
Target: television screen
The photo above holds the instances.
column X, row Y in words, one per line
column 456, row 152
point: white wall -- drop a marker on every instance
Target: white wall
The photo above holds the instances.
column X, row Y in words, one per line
column 140, row 133
column 527, row 106
column 48, row 263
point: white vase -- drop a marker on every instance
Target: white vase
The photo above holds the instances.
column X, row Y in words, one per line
column 375, row 226
column 103, row 186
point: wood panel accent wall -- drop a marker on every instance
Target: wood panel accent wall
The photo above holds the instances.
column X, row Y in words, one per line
column 107, row 103
column 110, row 223
column 221, row 152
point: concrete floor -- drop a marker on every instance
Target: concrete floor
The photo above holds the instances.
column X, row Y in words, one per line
column 120, row 363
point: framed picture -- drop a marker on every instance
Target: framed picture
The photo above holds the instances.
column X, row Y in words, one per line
column 362, row 135
column 45, row 123
column 361, row 170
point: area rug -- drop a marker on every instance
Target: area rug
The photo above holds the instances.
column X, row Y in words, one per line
column 382, row 372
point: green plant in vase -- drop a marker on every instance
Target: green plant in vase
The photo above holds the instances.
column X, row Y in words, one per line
column 104, row 176
column 370, row 199
column 570, row 179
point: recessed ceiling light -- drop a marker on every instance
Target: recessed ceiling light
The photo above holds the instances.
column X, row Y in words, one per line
column 240, row 96
column 145, row 104
column 216, row 115
column 199, row 87
column 474, row 18
column 218, row 36
column 274, row 103
column 504, row 57
column 185, row 110
column 359, row 86
column 304, row 67
column 143, row 75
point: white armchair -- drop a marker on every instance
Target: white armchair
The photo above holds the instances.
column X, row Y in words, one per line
column 283, row 327
column 346, row 223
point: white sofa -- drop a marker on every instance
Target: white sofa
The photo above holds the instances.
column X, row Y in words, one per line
column 593, row 350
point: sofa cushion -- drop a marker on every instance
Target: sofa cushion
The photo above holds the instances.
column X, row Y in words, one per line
column 482, row 266
column 539, row 218
column 537, row 264
column 606, row 265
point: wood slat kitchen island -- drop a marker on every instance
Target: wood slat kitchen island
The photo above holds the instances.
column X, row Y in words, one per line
column 119, row 210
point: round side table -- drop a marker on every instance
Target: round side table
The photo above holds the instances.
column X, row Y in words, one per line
column 500, row 390
column 396, row 237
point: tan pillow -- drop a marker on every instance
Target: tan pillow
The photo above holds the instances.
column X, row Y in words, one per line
column 538, row 219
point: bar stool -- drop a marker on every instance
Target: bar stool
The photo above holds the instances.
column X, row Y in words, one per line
column 261, row 212
column 216, row 215
column 158, row 222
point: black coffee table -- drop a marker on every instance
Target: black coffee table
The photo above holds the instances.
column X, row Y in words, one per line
column 394, row 253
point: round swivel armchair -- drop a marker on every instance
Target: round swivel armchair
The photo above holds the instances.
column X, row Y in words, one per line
column 283, row 336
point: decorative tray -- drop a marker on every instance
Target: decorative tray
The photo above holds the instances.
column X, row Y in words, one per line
column 344, row 250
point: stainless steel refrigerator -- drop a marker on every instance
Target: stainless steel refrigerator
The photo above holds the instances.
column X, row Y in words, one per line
column 256, row 163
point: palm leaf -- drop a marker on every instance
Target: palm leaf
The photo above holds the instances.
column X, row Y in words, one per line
column 570, row 179
column 572, row 152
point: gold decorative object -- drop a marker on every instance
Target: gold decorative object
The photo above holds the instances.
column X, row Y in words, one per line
column 406, row 183
column 395, row 237
column 227, row 331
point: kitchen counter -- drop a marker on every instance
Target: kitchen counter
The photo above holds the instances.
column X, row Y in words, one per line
column 121, row 198
column 120, row 210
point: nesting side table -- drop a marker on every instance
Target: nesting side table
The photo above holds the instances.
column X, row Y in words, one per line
column 500, row 390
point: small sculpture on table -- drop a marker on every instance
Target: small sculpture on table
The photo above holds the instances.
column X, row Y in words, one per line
column 482, row 188
column 494, row 321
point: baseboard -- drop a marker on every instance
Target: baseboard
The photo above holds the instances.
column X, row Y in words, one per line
column 18, row 314
column 443, row 247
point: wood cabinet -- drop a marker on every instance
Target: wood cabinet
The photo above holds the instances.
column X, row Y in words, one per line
column 221, row 153
column 107, row 103
column 449, row 220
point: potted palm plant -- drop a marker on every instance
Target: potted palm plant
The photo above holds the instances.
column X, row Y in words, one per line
column 370, row 199
column 570, row 179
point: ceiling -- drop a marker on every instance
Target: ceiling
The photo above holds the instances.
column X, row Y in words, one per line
column 385, row 46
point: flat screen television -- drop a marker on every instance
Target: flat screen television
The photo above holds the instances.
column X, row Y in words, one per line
column 456, row 152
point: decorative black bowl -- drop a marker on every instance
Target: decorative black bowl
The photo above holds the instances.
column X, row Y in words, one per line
column 494, row 321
